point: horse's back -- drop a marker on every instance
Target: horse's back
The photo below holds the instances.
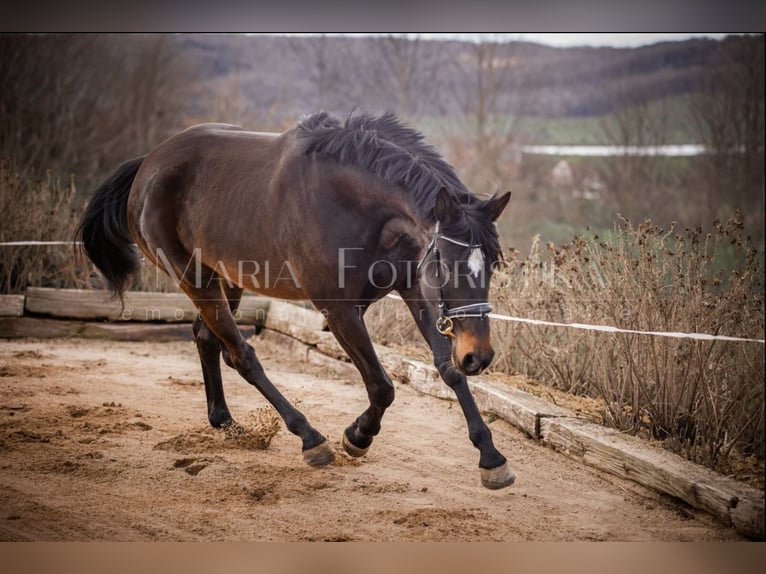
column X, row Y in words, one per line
column 212, row 140
column 193, row 183
column 210, row 160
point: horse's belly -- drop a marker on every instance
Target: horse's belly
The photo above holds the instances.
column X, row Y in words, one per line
column 272, row 278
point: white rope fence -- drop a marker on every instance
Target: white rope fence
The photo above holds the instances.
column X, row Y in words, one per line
column 584, row 326
column 610, row 329
column 24, row 243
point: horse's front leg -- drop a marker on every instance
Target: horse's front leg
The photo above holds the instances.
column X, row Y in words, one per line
column 495, row 471
column 345, row 322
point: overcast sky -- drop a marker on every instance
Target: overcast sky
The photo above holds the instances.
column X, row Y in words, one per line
column 572, row 39
column 620, row 40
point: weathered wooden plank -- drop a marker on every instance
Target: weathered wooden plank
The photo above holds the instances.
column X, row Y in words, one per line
column 521, row 409
column 324, row 341
column 420, row 376
column 137, row 331
column 139, row 306
column 512, row 405
column 253, row 310
column 286, row 317
column 11, row 305
column 73, row 304
column 44, row 328
column 730, row 501
column 305, row 352
column 338, row 366
column 289, row 345
column 24, row 327
column 748, row 516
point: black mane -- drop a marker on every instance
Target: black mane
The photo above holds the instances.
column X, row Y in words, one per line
column 400, row 156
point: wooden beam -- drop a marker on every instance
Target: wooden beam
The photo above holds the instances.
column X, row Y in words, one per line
column 11, row 305
column 732, row 502
column 139, row 306
column 287, row 317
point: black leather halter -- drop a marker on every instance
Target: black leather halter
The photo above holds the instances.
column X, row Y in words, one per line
column 444, row 322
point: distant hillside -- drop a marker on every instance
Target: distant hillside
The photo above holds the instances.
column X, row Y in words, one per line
column 284, row 75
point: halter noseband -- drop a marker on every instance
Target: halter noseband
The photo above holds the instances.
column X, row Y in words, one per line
column 444, row 322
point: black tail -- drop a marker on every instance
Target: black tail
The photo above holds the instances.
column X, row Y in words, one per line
column 103, row 229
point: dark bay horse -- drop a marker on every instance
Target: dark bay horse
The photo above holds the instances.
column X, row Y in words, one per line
column 338, row 211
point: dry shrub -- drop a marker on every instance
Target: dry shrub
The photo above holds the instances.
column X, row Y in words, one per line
column 704, row 399
column 36, row 209
column 45, row 209
column 390, row 323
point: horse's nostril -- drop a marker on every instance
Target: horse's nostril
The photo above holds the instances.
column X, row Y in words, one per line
column 475, row 363
column 471, row 363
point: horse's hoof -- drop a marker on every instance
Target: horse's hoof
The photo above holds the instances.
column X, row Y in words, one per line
column 232, row 429
column 498, row 477
column 353, row 450
column 320, row 455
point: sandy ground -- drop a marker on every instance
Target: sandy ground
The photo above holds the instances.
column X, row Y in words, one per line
column 109, row 441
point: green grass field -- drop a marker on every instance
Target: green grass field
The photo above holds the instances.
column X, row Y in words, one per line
column 568, row 130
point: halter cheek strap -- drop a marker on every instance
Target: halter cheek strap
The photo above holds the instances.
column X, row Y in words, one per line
column 444, row 322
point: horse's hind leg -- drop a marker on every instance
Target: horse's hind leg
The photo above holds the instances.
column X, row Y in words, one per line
column 217, row 316
column 209, row 348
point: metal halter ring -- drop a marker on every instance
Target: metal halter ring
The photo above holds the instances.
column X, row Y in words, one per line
column 444, row 326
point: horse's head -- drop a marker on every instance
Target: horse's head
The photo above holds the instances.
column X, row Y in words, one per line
column 455, row 273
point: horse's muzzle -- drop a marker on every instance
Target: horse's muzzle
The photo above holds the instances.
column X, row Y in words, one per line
column 474, row 362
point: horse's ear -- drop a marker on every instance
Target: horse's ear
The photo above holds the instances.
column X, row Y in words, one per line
column 446, row 206
column 495, row 205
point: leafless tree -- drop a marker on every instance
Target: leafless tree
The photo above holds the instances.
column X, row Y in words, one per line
column 400, row 73
column 80, row 103
column 491, row 107
column 634, row 178
column 728, row 118
column 157, row 80
column 48, row 106
column 327, row 60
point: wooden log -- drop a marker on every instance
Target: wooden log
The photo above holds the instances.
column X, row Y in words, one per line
column 287, row 344
column 337, row 366
column 420, row 376
column 45, row 328
column 732, row 502
column 139, row 306
column 305, row 352
column 286, row 317
column 11, row 305
column 28, row 327
column 137, row 331
column 523, row 410
column 253, row 310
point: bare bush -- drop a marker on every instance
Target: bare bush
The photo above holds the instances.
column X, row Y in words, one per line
column 390, row 323
column 702, row 398
column 36, row 210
